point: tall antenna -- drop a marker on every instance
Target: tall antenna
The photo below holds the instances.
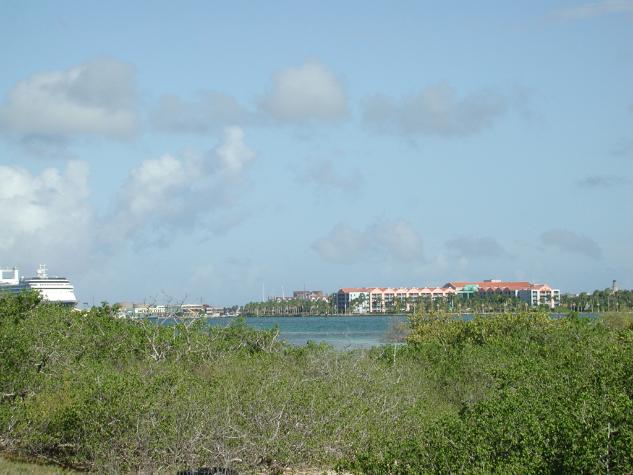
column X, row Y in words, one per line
column 263, row 300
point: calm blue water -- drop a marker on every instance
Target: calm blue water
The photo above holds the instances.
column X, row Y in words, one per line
column 340, row 332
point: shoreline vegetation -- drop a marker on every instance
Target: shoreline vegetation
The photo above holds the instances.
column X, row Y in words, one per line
column 515, row 392
column 595, row 302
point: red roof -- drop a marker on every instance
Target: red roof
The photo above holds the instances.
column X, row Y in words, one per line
column 492, row 285
column 449, row 286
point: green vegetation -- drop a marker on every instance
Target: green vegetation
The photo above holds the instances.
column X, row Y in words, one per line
column 11, row 467
column 511, row 393
column 596, row 302
column 599, row 301
column 465, row 303
column 289, row 307
column 529, row 395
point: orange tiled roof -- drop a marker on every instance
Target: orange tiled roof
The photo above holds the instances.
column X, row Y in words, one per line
column 502, row 285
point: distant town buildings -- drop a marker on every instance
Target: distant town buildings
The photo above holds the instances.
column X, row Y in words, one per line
column 382, row 299
column 310, row 295
column 185, row 310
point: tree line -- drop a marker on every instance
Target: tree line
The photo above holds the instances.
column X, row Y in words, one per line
column 289, row 307
column 516, row 392
column 599, row 301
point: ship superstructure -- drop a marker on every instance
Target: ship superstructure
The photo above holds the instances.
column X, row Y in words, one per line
column 52, row 288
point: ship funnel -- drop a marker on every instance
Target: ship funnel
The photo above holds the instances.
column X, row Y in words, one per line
column 41, row 272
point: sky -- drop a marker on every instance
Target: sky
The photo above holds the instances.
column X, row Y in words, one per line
column 221, row 151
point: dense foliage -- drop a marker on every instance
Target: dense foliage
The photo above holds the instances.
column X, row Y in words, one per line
column 516, row 393
column 599, row 301
column 289, row 307
column 465, row 303
column 529, row 395
column 596, row 301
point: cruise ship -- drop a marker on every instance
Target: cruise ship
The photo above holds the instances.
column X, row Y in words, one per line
column 53, row 289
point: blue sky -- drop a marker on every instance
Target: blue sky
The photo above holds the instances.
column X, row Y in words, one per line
column 199, row 150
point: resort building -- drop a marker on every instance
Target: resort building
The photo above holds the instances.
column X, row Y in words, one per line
column 383, row 299
column 533, row 294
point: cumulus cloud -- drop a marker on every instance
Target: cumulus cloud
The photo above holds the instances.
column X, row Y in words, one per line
column 593, row 9
column 310, row 92
column 623, row 148
column 208, row 111
column 325, row 175
column 568, row 241
column 384, row 239
column 436, row 110
column 46, row 217
column 164, row 195
column 95, row 98
column 343, row 245
column 232, row 156
column 603, row 181
column 397, row 238
column 476, row 247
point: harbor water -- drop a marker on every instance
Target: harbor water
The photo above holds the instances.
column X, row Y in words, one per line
column 342, row 332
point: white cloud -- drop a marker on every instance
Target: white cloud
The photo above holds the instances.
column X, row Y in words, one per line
column 383, row 239
column 233, row 155
column 46, row 217
column 571, row 242
column 436, row 110
column 476, row 247
column 151, row 184
column 604, row 181
column 162, row 196
column 396, row 238
column 342, row 245
column 209, row 111
column 95, row 98
column 305, row 93
column 602, row 7
column 623, row 148
column 326, row 175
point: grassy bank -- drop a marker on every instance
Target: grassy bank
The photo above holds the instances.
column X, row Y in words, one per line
column 13, row 467
column 512, row 393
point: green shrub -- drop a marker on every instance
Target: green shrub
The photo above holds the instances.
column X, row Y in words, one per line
column 507, row 394
column 558, row 401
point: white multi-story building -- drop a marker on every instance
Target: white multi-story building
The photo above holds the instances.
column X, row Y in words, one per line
column 384, row 299
column 533, row 294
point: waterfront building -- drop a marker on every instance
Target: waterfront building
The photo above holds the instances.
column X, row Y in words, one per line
column 532, row 294
column 185, row 310
column 385, row 299
column 141, row 309
column 312, row 295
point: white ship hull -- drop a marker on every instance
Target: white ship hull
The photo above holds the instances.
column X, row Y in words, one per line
column 52, row 289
